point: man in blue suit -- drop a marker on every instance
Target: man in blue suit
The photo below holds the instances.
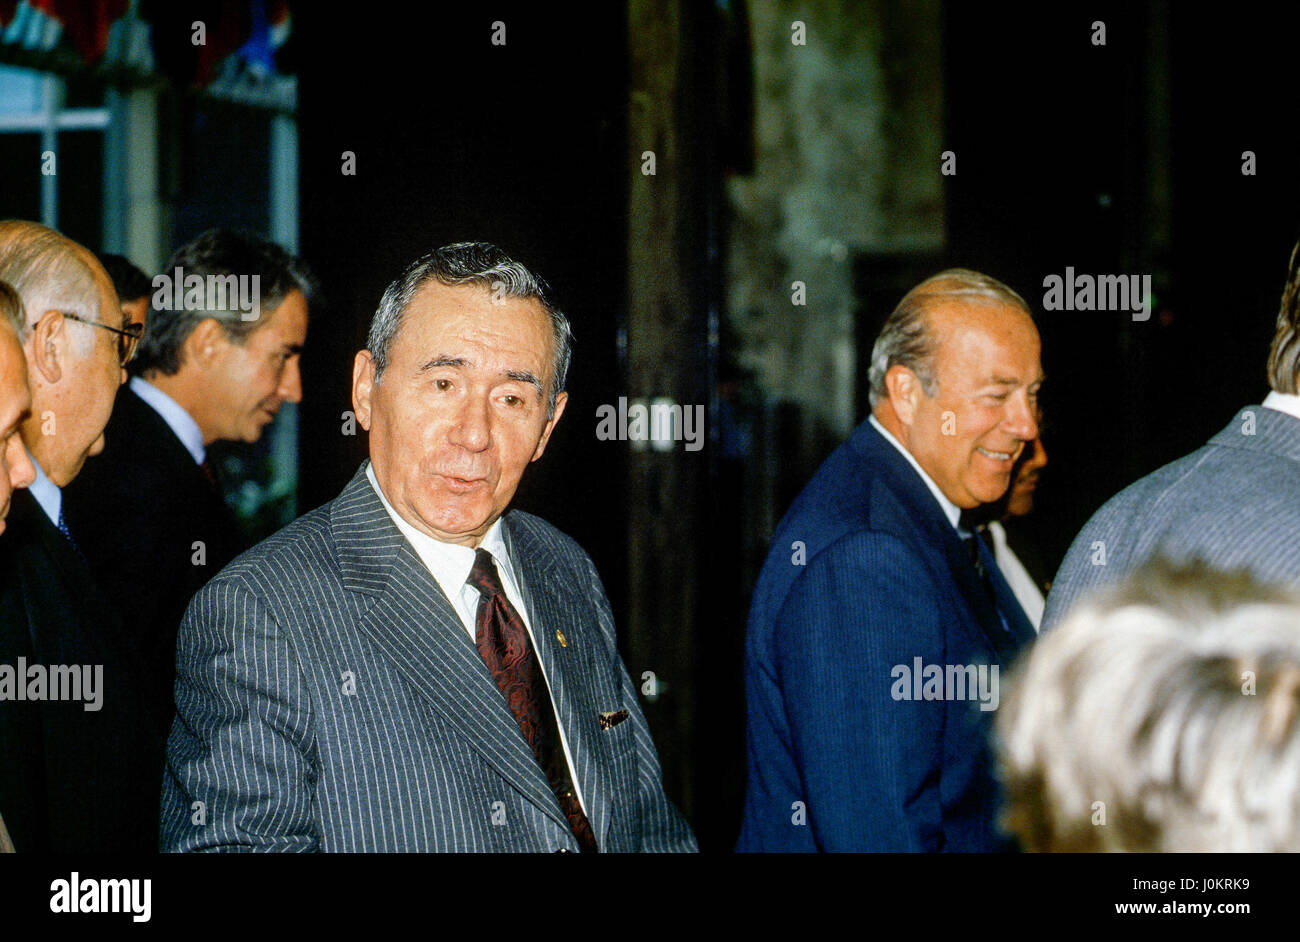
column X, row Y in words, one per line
column 879, row 624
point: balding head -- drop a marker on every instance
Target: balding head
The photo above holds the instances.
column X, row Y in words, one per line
column 51, row 272
column 72, row 366
column 954, row 378
column 908, row 338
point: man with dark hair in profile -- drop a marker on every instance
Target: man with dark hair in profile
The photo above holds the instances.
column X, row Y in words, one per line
column 132, row 285
column 1234, row 502
column 79, row 771
column 217, row 367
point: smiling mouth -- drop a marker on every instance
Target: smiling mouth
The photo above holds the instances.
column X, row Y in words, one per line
column 1006, row 456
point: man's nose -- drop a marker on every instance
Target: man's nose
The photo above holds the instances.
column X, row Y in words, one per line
column 21, row 472
column 473, row 428
column 290, row 389
column 1022, row 421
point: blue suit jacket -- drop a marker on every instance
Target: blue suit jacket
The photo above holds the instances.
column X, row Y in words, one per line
column 835, row 761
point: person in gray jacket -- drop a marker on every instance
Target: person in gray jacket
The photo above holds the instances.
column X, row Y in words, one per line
column 1233, row 503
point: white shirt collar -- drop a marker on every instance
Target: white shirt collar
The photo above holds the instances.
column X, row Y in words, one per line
column 1283, row 402
column 950, row 510
column 173, row 413
column 450, row 563
column 46, row 492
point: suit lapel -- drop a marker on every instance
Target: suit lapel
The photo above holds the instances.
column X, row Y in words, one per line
column 553, row 605
column 414, row 625
column 928, row 516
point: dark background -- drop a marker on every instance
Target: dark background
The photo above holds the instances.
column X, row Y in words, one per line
column 457, row 140
column 1120, row 159
column 526, row 146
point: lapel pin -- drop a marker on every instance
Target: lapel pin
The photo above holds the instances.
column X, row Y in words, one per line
column 559, row 636
column 611, row 719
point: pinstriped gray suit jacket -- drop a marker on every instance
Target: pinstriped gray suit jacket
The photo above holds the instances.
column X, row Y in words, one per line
column 1234, row 503
column 328, row 698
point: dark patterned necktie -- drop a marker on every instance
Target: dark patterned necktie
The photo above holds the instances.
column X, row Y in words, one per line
column 972, row 544
column 502, row 640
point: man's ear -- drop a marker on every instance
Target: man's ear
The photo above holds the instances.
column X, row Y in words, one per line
column 363, row 385
column 47, row 346
column 205, row 343
column 561, row 401
column 905, row 390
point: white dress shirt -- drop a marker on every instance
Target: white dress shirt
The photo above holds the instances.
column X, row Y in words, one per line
column 173, row 413
column 450, row 565
column 47, row 493
column 1283, row 402
column 950, row 510
column 1018, row 578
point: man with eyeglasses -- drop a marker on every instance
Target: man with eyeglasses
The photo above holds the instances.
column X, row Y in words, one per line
column 80, row 756
column 217, row 366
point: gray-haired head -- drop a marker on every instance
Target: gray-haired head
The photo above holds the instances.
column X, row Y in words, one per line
column 221, row 258
column 50, row 272
column 470, row 263
column 906, row 339
column 1169, row 706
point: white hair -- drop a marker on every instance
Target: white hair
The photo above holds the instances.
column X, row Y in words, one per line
column 50, row 272
column 1160, row 716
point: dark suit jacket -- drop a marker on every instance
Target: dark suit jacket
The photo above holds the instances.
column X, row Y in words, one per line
column 71, row 780
column 136, row 510
column 866, row 574
column 329, row 698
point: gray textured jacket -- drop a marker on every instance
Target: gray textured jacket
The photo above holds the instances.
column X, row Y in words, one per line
column 1234, row 503
column 328, row 698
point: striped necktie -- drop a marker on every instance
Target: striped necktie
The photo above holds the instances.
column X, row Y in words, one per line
column 502, row 641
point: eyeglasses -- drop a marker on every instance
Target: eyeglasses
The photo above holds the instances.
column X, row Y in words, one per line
column 127, row 339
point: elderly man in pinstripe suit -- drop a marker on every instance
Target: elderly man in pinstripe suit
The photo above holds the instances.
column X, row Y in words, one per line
column 410, row 667
column 1234, row 503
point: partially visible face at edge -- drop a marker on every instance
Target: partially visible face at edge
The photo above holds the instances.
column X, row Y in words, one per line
column 136, row 311
column 15, row 402
column 1020, row 500
column 461, row 409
